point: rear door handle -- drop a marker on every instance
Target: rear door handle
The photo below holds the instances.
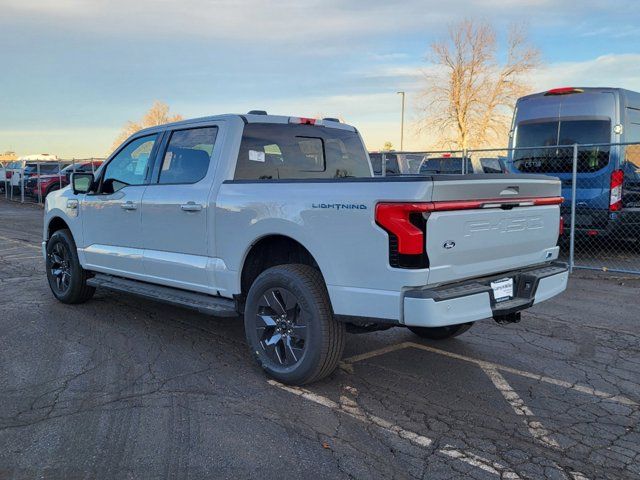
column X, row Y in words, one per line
column 191, row 207
column 129, row 205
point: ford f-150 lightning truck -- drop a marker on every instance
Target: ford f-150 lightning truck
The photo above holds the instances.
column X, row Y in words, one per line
column 281, row 220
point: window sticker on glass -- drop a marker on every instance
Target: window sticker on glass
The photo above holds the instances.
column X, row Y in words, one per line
column 256, row 156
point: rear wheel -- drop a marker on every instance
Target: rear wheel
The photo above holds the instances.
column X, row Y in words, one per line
column 290, row 327
column 440, row 333
column 67, row 278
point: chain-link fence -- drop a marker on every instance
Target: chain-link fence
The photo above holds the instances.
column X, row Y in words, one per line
column 31, row 181
column 600, row 186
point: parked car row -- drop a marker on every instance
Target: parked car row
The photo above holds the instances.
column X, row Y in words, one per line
column 396, row 163
column 40, row 178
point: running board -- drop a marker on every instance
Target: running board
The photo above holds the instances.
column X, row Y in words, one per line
column 217, row 306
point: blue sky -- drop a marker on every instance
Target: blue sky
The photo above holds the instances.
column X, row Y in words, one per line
column 74, row 71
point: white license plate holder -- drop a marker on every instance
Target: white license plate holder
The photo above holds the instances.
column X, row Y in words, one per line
column 502, row 289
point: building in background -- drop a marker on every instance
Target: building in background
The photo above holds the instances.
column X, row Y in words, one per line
column 8, row 156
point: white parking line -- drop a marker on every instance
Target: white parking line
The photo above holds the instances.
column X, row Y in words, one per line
column 484, row 364
column 578, row 476
column 20, row 243
column 350, row 407
column 536, row 428
column 479, row 462
column 354, row 411
column 19, row 257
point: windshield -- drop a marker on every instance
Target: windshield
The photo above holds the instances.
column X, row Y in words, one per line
column 533, row 135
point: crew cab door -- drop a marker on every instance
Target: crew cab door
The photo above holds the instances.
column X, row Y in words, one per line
column 111, row 217
column 177, row 217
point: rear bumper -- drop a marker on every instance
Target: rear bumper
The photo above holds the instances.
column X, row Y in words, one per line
column 473, row 300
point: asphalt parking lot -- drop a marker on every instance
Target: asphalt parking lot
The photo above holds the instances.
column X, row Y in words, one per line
column 121, row 387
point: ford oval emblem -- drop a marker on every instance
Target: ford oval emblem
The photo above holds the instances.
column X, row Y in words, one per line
column 449, row 244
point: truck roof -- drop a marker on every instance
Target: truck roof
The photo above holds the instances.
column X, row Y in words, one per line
column 39, row 156
column 247, row 118
column 623, row 91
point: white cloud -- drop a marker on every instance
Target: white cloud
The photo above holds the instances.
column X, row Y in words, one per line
column 313, row 21
column 614, row 70
column 377, row 116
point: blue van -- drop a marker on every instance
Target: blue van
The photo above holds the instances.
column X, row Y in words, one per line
column 608, row 178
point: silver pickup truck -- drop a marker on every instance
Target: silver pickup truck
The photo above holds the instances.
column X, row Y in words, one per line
column 281, row 220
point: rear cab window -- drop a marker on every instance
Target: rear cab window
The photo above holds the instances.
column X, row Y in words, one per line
column 275, row 151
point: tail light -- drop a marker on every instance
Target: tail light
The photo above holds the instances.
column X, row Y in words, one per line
column 304, row 121
column 615, row 197
column 561, row 228
column 405, row 223
column 563, row 91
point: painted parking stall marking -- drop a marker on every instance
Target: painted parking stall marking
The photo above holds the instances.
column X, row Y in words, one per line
column 347, row 364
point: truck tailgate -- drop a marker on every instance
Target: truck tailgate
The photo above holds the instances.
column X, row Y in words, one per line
column 487, row 224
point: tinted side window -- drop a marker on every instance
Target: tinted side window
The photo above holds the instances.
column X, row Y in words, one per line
column 392, row 165
column 491, row 165
column 188, row 155
column 447, row 165
column 129, row 166
column 376, row 163
column 49, row 168
column 277, row 151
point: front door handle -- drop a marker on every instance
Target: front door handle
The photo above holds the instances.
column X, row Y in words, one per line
column 191, row 207
column 129, row 205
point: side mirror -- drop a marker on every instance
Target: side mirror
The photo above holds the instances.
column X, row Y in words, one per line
column 81, row 182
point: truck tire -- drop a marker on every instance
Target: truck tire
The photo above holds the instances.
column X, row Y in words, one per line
column 67, row 278
column 290, row 327
column 440, row 333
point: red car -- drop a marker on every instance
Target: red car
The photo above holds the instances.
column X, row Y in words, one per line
column 48, row 181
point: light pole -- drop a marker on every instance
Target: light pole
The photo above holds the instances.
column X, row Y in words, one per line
column 402, row 122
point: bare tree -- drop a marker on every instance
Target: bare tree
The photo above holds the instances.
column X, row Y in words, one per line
column 158, row 114
column 469, row 99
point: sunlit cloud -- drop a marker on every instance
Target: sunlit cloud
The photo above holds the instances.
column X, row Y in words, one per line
column 82, row 68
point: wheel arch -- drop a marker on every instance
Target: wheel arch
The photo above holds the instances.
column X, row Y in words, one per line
column 56, row 223
column 269, row 251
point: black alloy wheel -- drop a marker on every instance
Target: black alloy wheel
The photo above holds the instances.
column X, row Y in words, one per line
column 281, row 327
column 67, row 279
column 60, row 268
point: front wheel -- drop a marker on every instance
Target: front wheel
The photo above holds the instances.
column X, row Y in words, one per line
column 67, row 278
column 290, row 327
column 440, row 333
